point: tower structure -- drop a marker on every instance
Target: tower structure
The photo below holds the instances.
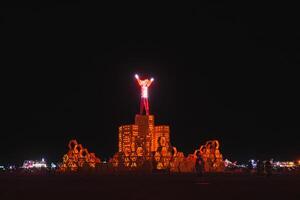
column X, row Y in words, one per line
column 143, row 138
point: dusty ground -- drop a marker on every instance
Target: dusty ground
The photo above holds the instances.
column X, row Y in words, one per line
column 149, row 187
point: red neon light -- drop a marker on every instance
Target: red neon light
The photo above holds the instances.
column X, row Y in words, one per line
column 144, row 93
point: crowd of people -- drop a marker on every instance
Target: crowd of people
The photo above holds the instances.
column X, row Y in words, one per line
column 262, row 167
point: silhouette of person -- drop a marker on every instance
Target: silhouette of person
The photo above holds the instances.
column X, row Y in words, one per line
column 199, row 164
column 268, row 167
column 259, row 167
column 250, row 166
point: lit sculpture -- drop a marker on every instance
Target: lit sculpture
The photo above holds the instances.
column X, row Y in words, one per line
column 163, row 154
column 213, row 159
column 145, row 146
column 176, row 162
column 144, row 93
column 78, row 157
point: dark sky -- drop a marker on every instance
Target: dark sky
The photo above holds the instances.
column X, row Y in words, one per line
column 222, row 71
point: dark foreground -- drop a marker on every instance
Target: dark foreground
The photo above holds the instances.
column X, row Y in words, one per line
column 149, row 187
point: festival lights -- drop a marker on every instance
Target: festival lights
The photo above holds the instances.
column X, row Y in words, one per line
column 29, row 164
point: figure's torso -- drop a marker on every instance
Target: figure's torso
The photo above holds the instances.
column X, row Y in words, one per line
column 144, row 91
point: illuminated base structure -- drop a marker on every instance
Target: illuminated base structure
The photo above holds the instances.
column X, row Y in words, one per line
column 143, row 145
column 146, row 147
column 78, row 158
column 210, row 154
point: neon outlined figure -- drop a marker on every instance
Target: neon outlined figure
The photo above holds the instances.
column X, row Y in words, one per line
column 145, row 84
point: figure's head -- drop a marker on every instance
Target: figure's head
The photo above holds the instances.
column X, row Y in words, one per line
column 144, row 82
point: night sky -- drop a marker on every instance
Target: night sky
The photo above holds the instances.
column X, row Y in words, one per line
column 222, row 71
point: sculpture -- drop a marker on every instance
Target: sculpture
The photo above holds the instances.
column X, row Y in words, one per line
column 78, row 157
column 145, row 84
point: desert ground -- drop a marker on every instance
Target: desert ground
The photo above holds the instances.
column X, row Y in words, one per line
column 151, row 186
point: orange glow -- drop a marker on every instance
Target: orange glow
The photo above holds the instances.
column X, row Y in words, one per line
column 143, row 141
column 78, row 157
column 213, row 159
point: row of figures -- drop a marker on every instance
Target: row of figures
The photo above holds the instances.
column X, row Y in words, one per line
column 77, row 158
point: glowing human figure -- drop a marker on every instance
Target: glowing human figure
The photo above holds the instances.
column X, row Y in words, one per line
column 144, row 93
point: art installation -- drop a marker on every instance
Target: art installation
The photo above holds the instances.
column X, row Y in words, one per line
column 78, row 158
column 146, row 146
column 144, row 142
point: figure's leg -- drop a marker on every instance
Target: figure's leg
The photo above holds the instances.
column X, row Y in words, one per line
column 146, row 106
column 141, row 106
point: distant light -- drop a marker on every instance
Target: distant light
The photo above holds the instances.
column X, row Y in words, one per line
column 136, row 76
column 28, row 164
column 152, row 79
column 39, row 165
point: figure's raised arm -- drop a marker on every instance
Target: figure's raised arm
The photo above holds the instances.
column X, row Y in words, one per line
column 150, row 82
column 138, row 79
